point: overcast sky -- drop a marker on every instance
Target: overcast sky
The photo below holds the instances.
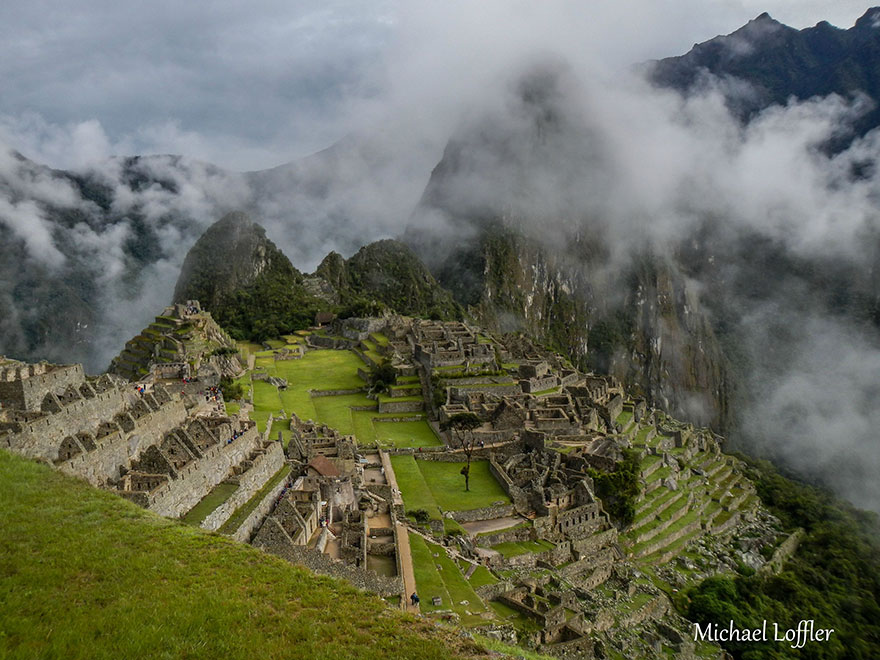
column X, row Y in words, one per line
column 252, row 85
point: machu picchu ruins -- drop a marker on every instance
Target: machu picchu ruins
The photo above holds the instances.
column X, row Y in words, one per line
column 320, row 461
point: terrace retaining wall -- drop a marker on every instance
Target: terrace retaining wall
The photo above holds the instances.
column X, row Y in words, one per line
column 249, row 524
column 249, row 484
column 484, row 513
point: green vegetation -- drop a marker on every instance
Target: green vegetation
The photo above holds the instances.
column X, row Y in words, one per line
column 382, row 377
column 220, row 270
column 508, row 650
column 241, row 514
column 405, row 434
column 387, row 274
column 461, row 427
column 482, row 576
column 619, row 489
column 833, row 578
column 217, row 496
column 282, row 426
column 413, row 487
column 607, row 336
column 316, row 370
column 446, row 582
column 515, row 548
column 89, row 575
column 444, row 480
column 231, row 390
column 432, row 485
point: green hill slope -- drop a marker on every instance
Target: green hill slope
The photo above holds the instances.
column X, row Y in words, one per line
column 84, row 574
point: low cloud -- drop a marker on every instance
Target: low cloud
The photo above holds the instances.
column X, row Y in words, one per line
column 554, row 133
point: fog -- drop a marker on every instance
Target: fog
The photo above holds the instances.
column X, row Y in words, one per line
column 587, row 146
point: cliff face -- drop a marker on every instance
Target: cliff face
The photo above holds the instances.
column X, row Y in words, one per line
column 509, row 224
column 646, row 326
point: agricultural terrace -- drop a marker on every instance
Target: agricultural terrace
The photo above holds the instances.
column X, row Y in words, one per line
column 437, row 575
column 437, row 486
column 309, row 379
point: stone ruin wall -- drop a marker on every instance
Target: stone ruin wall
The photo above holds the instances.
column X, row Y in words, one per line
column 119, row 449
column 196, row 479
column 273, row 539
column 246, row 530
column 23, row 389
column 249, row 483
column 42, row 438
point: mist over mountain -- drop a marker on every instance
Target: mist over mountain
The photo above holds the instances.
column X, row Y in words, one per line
column 689, row 233
column 86, row 256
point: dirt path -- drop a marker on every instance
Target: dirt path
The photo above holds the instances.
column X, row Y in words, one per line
column 409, row 576
column 403, row 550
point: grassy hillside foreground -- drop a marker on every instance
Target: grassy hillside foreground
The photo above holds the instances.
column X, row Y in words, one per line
column 84, row 574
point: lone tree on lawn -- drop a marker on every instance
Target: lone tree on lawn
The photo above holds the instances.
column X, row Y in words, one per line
column 461, row 427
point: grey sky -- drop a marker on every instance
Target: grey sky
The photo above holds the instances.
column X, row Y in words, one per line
column 252, row 85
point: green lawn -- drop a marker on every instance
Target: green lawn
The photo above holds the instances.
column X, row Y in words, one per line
column 458, row 588
column 446, row 582
column 379, row 338
column 447, row 485
column 325, row 370
column 481, row 577
column 512, row 549
column 209, row 503
column 249, row 346
column 406, row 434
column 321, row 370
column 317, row 370
column 385, row 398
column 428, row 581
column 336, row 411
column 642, row 435
column 413, row 487
column 282, row 425
column 266, row 402
column 364, row 428
column 432, row 484
column 89, row 575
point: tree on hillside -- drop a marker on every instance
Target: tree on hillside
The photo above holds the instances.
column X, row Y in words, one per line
column 382, row 377
column 461, row 431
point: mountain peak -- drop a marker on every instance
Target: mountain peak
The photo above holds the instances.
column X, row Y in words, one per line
column 870, row 19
